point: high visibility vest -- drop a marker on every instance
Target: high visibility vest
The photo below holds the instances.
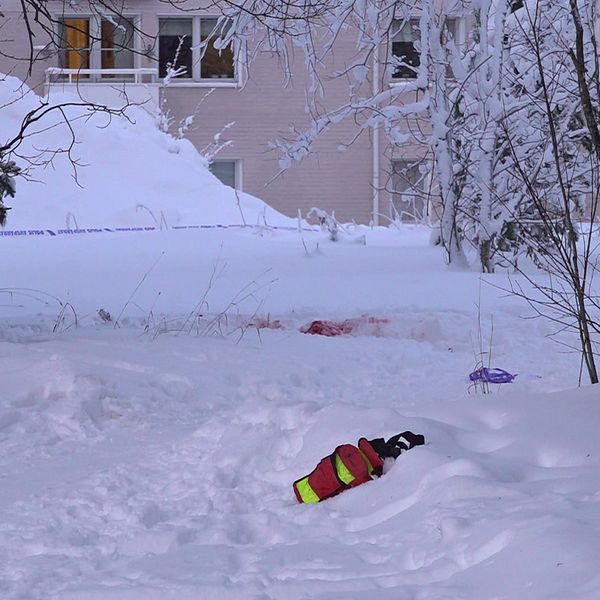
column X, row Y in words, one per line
column 347, row 466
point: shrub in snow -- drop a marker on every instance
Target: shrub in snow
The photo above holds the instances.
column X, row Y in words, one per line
column 104, row 315
column 327, row 221
column 8, row 187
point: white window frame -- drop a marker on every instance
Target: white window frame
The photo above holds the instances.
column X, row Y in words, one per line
column 195, row 80
column 411, row 22
column 95, row 41
column 237, row 173
column 422, row 187
column 459, row 32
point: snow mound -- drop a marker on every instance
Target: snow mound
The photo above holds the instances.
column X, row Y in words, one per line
column 127, row 172
column 164, row 471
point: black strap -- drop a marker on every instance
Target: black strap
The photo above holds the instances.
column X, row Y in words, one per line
column 378, row 444
column 402, row 442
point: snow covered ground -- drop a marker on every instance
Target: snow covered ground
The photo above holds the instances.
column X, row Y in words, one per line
column 148, row 451
column 155, row 460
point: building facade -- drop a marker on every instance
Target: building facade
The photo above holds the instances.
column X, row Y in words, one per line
column 105, row 59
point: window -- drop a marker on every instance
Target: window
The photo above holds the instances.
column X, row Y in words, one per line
column 91, row 43
column 405, row 38
column 516, row 5
column 175, row 46
column 75, row 44
column 194, row 37
column 116, row 44
column 226, row 172
column 214, row 63
column 408, row 191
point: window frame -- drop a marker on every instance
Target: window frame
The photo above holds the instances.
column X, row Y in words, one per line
column 95, row 48
column 196, row 80
column 66, row 49
column 414, row 22
column 181, row 78
column 420, row 191
column 237, row 171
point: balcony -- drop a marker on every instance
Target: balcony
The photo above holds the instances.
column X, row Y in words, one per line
column 115, row 88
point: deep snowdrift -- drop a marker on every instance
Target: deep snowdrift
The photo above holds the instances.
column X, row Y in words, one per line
column 128, row 174
column 137, row 470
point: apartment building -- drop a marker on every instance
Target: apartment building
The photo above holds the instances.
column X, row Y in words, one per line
column 360, row 178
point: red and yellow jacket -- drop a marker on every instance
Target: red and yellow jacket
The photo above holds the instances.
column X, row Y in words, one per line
column 346, row 467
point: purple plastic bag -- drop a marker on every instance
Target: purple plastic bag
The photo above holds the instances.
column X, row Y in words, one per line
column 492, row 375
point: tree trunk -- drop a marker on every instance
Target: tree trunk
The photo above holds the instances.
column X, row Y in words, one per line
column 485, row 256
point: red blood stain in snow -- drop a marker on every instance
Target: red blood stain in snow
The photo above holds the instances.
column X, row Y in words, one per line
column 335, row 328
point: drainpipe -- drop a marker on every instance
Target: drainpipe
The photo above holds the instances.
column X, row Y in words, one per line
column 375, row 161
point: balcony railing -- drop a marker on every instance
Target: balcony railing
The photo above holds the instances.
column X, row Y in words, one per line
column 116, row 88
column 75, row 76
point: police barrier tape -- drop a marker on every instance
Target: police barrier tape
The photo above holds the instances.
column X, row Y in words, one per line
column 56, row 232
